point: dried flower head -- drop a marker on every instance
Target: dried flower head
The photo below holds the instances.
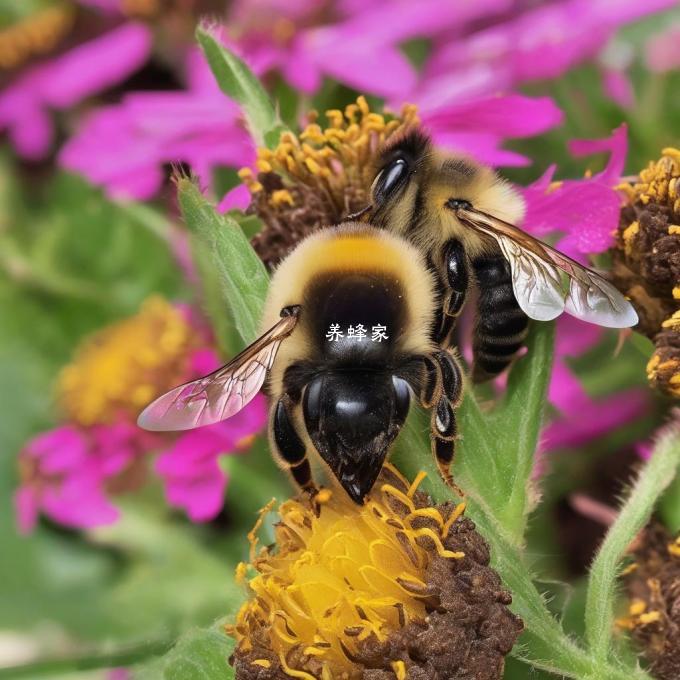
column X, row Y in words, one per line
column 396, row 588
column 318, row 177
column 647, row 263
column 653, row 584
column 119, row 369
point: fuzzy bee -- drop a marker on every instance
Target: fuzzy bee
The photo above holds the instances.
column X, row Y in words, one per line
column 461, row 215
column 347, row 339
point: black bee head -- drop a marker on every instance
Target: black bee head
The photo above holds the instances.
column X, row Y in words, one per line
column 352, row 418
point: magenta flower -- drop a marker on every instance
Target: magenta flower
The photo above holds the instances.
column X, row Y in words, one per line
column 65, row 471
column 355, row 43
column 478, row 127
column 582, row 418
column 65, row 81
column 662, row 52
column 585, row 212
column 584, row 215
column 541, row 43
column 190, row 468
column 72, row 473
column 124, row 147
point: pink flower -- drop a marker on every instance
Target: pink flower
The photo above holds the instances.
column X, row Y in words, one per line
column 65, row 471
column 125, row 147
column 478, row 127
column 71, row 473
column 356, row 43
column 67, row 80
column 582, row 418
column 193, row 478
column 541, row 43
column 584, row 211
column 662, row 52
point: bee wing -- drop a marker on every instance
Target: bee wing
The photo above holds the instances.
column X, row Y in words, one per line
column 221, row 394
column 537, row 277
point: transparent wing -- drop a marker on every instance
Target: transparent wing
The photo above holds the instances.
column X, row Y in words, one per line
column 538, row 277
column 221, row 394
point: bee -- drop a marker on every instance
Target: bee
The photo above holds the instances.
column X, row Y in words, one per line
column 461, row 215
column 346, row 341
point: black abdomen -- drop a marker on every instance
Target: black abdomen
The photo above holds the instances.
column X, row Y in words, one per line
column 501, row 324
column 355, row 318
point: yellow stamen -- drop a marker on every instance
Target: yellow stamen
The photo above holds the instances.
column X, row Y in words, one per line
column 340, row 575
column 124, row 366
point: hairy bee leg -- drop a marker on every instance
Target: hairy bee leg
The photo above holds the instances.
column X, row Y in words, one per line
column 289, row 449
column 441, row 390
column 457, row 277
column 443, row 432
column 501, row 324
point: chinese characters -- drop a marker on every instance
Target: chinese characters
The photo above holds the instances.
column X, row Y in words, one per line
column 359, row 332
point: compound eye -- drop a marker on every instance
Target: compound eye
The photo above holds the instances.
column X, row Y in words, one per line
column 390, row 179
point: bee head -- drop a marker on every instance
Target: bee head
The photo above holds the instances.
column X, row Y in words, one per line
column 397, row 171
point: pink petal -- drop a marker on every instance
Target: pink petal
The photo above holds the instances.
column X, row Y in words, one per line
column 507, row 116
column 236, row 199
column 26, row 508
column 202, row 498
column 96, row 65
column 618, row 87
column 596, row 419
column 662, row 52
column 616, row 146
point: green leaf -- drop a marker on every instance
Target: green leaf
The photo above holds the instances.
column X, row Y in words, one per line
column 200, row 655
column 237, row 81
column 243, row 278
column 493, row 465
column 657, row 474
column 496, row 452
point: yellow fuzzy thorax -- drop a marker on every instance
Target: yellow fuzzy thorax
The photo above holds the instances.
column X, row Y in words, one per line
column 340, row 574
column 124, row 366
column 333, row 157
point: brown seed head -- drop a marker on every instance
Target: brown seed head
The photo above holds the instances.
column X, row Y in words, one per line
column 396, row 588
column 647, row 263
column 653, row 585
column 317, row 178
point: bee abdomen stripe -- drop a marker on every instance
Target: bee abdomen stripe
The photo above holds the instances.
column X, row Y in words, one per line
column 494, row 321
column 502, row 340
column 497, row 350
column 491, row 366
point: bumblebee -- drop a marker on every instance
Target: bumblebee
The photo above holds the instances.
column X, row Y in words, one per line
column 347, row 339
column 461, row 215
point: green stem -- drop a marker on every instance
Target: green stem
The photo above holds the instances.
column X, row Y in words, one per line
column 91, row 660
column 149, row 218
column 654, row 478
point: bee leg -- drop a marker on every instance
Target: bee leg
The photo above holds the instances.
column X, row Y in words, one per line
column 455, row 264
column 288, row 447
column 443, row 435
column 441, row 388
column 501, row 324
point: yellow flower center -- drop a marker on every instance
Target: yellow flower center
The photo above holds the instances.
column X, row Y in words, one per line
column 331, row 158
column 342, row 573
column 35, row 34
column 123, row 367
column 659, row 182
